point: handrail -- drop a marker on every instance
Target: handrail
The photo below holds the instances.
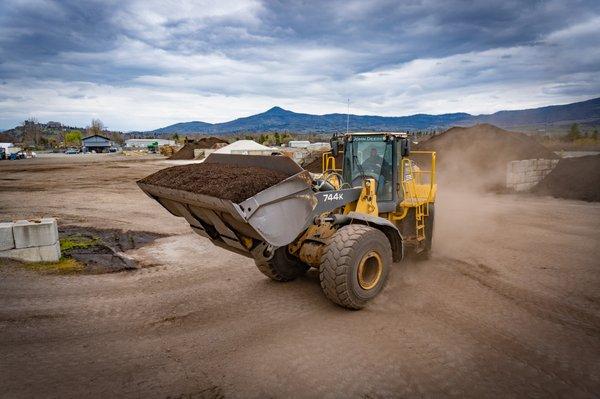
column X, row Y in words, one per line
column 326, row 159
column 432, row 172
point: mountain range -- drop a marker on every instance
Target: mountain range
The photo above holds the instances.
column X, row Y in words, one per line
column 278, row 119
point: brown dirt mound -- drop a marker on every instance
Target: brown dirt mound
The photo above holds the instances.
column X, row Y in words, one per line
column 476, row 156
column 187, row 151
column 217, row 180
column 573, row 178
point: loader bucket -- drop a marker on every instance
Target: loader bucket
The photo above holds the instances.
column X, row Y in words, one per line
column 273, row 217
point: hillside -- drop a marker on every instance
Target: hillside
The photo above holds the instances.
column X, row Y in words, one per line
column 184, row 127
column 281, row 120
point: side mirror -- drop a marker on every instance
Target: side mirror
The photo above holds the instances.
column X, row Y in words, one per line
column 404, row 147
column 335, row 146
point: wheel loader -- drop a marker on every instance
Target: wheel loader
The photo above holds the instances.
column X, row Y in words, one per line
column 352, row 222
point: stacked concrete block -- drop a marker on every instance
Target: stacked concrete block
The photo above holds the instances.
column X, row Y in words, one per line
column 7, row 240
column 525, row 174
column 30, row 241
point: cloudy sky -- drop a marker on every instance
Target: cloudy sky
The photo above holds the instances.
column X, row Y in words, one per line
column 146, row 64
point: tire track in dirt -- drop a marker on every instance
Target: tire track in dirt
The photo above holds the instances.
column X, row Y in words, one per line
column 537, row 305
column 504, row 344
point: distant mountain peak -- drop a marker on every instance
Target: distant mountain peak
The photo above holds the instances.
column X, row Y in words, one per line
column 277, row 110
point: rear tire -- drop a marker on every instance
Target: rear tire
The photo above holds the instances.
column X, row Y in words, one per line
column 282, row 266
column 355, row 266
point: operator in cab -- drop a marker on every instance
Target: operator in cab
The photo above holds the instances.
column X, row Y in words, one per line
column 374, row 162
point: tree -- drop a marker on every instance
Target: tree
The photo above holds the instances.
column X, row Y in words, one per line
column 96, row 127
column 262, row 139
column 277, row 139
column 32, row 132
column 175, row 137
column 595, row 134
column 73, row 138
column 574, row 132
column 117, row 137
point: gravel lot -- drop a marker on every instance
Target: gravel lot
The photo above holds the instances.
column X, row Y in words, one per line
column 509, row 305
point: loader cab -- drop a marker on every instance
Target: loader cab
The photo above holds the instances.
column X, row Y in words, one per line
column 376, row 156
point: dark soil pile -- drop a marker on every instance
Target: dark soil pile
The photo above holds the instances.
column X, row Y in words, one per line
column 315, row 163
column 477, row 156
column 573, row 178
column 187, row 151
column 217, row 180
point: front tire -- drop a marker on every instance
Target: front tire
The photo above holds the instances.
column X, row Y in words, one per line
column 282, row 266
column 355, row 266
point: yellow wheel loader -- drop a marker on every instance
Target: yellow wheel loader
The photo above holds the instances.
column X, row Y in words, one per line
column 351, row 223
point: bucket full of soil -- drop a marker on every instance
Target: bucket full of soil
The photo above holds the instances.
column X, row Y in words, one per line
column 237, row 200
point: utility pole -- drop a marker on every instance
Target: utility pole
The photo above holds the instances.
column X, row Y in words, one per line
column 348, row 118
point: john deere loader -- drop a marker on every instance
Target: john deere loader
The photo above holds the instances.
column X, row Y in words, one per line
column 352, row 222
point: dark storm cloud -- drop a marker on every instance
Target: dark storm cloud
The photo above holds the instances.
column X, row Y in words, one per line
column 394, row 32
column 38, row 30
column 380, row 32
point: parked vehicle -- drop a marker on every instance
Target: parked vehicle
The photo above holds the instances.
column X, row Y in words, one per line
column 17, row 155
column 71, row 151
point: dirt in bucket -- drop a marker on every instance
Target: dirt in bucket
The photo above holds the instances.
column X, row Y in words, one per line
column 224, row 181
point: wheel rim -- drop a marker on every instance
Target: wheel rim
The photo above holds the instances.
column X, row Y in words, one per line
column 369, row 271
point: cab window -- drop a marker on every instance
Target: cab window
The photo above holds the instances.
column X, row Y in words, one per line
column 370, row 157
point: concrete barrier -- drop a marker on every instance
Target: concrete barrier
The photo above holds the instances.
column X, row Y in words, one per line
column 30, row 240
column 7, row 240
column 35, row 233
column 525, row 174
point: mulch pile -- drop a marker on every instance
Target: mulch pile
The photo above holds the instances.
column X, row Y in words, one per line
column 187, row 151
column 217, row 180
column 573, row 178
column 476, row 156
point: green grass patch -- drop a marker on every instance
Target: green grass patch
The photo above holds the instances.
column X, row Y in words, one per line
column 76, row 241
column 63, row 266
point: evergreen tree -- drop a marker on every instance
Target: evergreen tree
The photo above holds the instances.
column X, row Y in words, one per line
column 574, row 133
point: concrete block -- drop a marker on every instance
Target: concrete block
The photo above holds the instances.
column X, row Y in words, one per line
column 514, row 166
column 510, row 178
column 36, row 233
column 524, row 186
column 46, row 253
column 7, row 240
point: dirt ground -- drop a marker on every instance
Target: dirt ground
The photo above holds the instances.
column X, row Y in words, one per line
column 509, row 305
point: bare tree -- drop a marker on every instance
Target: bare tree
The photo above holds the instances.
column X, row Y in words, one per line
column 96, row 127
column 32, row 132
